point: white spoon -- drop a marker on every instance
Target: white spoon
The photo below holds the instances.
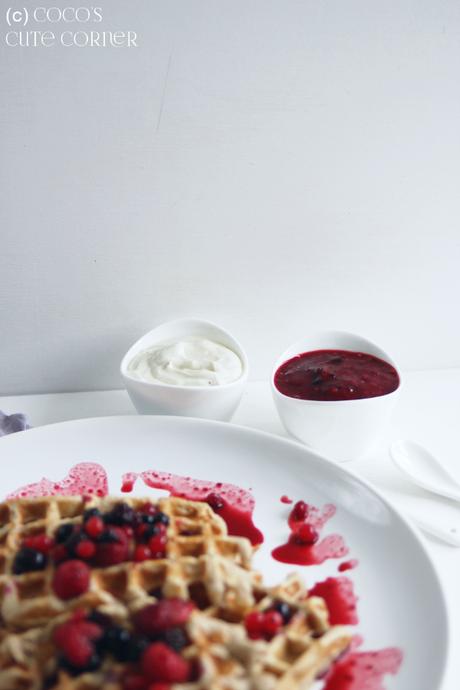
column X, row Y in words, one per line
column 427, row 472
column 449, row 535
column 423, row 469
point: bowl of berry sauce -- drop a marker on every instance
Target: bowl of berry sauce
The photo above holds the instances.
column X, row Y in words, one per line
column 335, row 391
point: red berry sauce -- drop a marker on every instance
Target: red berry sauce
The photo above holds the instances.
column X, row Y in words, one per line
column 339, row 595
column 335, row 375
column 363, row 670
column 286, row 499
column 84, row 479
column 347, row 565
column 304, row 546
column 233, row 504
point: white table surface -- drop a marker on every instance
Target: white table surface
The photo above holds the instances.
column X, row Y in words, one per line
column 429, row 412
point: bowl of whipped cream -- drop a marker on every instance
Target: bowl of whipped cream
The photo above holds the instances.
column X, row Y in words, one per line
column 187, row 367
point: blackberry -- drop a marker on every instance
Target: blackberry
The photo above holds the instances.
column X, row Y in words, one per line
column 148, row 519
column 91, row 512
column 157, row 593
column 75, row 538
column 108, row 537
column 50, row 681
column 122, row 644
column 121, row 514
column 136, row 648
column 284, row 609
column 98, row 618
column 161, row 518
column 63, row 532
column 27, row 560
column 176, row 638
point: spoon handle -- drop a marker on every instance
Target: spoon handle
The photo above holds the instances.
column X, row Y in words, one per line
column 452, row 495
column 449, row 536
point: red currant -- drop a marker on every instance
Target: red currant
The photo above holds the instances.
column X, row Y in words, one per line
column 94, row 527
column 85, row 549
column 306, row 535
column 272, row 623
column 254, row 622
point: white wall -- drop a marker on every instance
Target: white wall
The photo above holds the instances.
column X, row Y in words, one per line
column 273, row 165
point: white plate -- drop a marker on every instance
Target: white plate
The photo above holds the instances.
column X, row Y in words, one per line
column 401, row 602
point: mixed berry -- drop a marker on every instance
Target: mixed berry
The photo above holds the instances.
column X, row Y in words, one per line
column 150, row 650
column 101, row 540
column 264, row 625
column 303, row 533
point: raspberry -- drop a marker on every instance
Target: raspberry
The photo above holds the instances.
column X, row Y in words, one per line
column 167, row 613
column 142, row 553
column 157, row 545
column 74, row 639
column 85, row 549
column 159, row 686
column 305, row 535
column 254, row 625
column 85, row 628
column 90, row 630
column 112, row 552
column 94, row 527
column 78, row 650
column 39, row 542
column 71, row 579
column 161, row 663
column 272, row 623
column 128, row 531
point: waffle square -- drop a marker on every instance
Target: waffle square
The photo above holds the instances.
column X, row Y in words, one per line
column 196, row 536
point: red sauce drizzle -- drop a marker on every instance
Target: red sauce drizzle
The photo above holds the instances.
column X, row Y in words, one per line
column 286, row 499
column 238, row 505
column 84, row 479
column 347, row 565
column 339, row 595
column 363, row 670
column 297, row 553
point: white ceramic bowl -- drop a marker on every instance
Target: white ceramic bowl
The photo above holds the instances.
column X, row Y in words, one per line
column 212, row 402
column 340, row 429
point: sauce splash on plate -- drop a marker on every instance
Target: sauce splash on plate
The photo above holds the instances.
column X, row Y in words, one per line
column 363, row 670
column 84, row 479
column 304, row 546
column 234, row 504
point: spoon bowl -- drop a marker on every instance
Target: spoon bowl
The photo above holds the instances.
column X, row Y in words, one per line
column 422, row 468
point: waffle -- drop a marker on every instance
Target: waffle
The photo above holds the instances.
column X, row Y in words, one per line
column 198, row 549
column 294, row 658
column 228, row 659
column 202, row 563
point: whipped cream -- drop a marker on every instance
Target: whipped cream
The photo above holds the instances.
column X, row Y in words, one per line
column 188, row 361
